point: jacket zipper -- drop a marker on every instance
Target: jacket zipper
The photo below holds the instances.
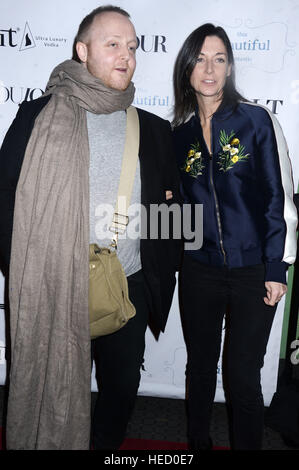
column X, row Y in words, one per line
column 216, row 198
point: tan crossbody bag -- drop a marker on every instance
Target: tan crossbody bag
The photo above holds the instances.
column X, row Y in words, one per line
column 109, row 305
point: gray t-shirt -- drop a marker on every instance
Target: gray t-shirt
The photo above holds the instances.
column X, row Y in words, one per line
column 106, row 134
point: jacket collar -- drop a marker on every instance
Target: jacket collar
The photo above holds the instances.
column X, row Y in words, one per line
column 222, row 113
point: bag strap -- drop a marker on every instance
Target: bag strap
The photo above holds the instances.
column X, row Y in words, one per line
column 127, row 175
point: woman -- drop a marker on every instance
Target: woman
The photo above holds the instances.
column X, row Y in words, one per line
column 233, row 159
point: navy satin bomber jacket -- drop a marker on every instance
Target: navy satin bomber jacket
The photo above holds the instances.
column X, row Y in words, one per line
column 245, row 186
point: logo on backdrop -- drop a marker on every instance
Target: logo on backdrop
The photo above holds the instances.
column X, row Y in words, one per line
column 24, row 38
column 18, row 94
column 273, row 105
column 7, row 38
column 27, row 40
column 151, row 43
column 265, row 47
column 150, row 100
column 144, row 99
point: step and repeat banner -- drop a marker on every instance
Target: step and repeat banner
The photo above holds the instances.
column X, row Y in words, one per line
column 35, row 36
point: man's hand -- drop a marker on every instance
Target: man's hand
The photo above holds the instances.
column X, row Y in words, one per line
column 168, row 195
column 275, row 291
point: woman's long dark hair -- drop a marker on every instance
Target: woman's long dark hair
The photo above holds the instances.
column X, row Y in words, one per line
column 184, row 95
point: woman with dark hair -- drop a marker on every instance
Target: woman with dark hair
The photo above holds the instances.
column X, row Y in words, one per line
column 233, row 160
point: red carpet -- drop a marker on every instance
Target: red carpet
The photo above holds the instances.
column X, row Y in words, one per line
column 144, row 444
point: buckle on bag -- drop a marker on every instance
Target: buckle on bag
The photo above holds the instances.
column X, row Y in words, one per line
column 119, row 223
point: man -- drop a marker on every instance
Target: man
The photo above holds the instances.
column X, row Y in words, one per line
column 59, row 161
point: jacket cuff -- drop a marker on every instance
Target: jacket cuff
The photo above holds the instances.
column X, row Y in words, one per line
column 276, row 272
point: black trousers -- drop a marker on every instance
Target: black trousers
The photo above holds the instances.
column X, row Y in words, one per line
column 118, row 358
column 207, row 293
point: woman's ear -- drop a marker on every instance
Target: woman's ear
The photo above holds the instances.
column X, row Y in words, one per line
column 82, row 51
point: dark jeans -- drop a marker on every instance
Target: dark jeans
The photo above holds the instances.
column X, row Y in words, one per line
column 207, row 293
column 118, row 359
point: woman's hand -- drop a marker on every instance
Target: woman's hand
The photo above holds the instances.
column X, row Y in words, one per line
column 168, row 195
column 275, row 291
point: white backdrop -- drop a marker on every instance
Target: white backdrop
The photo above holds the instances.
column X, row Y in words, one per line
column 36, row 35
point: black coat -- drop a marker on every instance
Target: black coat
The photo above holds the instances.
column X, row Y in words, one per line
column 160, row 258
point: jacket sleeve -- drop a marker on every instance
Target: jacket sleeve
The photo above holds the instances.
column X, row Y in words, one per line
column 172, row 182
column 280, row 241
column 171, row 171
column 11, row 158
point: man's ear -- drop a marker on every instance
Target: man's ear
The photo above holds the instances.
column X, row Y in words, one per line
column 82, row 51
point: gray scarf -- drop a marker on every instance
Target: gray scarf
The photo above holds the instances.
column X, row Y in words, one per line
column 49, row 395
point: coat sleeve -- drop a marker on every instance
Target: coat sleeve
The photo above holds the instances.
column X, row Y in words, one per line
column 172, row 183
column 171, row 171
column 11, row 158
column 280, row 241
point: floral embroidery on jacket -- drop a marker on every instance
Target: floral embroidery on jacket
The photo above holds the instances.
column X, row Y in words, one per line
column 232, row 151
column 194, row 164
